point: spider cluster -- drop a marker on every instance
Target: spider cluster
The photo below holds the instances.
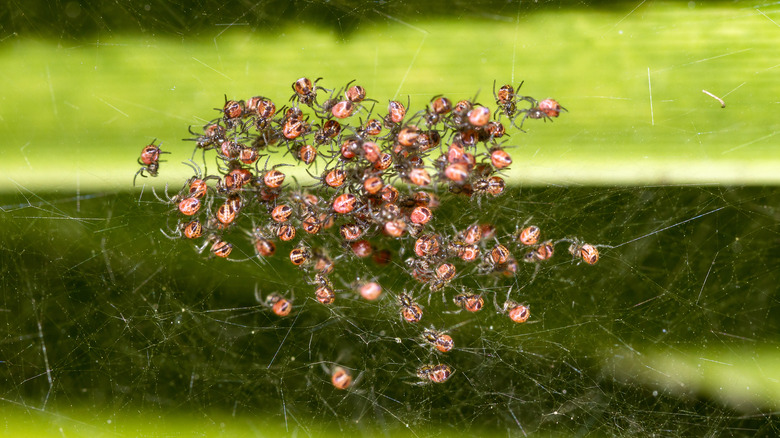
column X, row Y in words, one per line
column 379, row 178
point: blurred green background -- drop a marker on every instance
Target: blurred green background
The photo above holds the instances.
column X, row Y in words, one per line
column 111, row 330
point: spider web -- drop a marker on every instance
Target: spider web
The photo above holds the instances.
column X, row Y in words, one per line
column 139, row 322
column 105, row 317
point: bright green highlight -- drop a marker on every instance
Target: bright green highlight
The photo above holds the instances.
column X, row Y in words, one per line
column 746, row 380
column 77, row 116
column 24, row 423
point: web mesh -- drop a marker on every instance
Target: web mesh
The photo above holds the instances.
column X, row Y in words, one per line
column 105, row 317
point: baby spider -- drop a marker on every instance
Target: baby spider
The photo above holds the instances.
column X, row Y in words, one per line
column 529, row 235
column 264, row 245
column 439, row 373
column 341, row 377
column 440, row 340
column 469, row 301
column 499, row 157
column 278, row 304
column 585, row 251
column 439, row 107
column 544, row 251
column 355, row 93
column 518, row 313
column 306, row 91
column 546, row 109
column 396, row 111
column 232, row 112
column 505, row 100
column 325, row 294
column 213, row 135
column 221, row 248
column 443, row 274
column 300, row 255
column 492, row 186
column 190, row 230
column 410, row 310
column 369, row 290
column 497, row 259
column 261, row 109
column 538, row 254
column 149, row 160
